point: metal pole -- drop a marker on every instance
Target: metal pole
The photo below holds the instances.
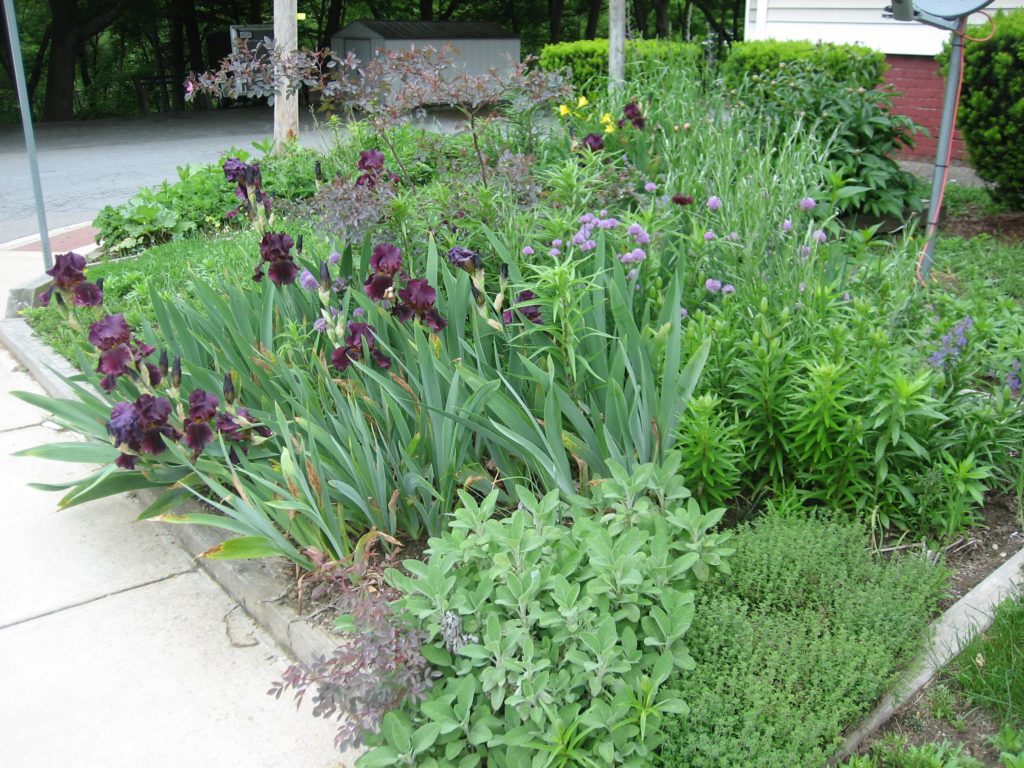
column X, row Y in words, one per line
column 616, row 43
column 26, row 125
column 946, row 128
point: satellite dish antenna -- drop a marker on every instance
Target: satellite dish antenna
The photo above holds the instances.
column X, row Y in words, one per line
column 950, row 15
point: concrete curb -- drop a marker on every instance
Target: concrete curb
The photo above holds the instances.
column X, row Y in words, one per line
column 259, row 586
column 970, row 615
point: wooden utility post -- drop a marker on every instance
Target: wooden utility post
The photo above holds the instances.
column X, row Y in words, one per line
column 616, row 43
column 286, row 105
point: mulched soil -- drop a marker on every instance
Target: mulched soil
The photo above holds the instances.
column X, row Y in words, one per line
column 1005, row 226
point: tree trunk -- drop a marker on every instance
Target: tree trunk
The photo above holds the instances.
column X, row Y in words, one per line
column 161, row 69
column 255, row 11
column 37, row 66
column 426, row 10
column 737, row 14
column 593, row 17
column 640, row 12
column 333, row 22
column 177, row 45
column 556, row 9
column 661, row 18
column 83, row 67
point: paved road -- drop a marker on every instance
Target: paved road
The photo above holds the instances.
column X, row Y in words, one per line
column 87, row 165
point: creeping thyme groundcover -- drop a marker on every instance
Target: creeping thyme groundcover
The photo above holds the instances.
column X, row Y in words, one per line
column 561, row 346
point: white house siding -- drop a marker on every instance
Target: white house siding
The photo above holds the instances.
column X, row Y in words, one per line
column 849, row 21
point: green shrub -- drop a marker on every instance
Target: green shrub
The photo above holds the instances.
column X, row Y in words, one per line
column 794, row 644
column 991, row 114
column 553, row 639
column 588, row 59
column 855, row 65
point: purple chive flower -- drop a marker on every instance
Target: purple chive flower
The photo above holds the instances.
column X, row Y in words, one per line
column 805, row 251
column 712, row 285
column 607, row 223
column 594, row 142
column 728, row 288
column 714, row 203
column 386, row 259
column 709, row 236
column 632, row 274
column 650, row 186
column 554, row 252
column 634, row 229
column 820, row 236
column 334, row 258
column 733, row 237
column 808, row 203
column 556, row 243
column 527, row 250
column 357, row 312
column 320, row 325
column 787, row 225
column 846, row 296
column 587, row 218
column 589, row 245
column 308, row 281
column 802, row 287
column 683, row 313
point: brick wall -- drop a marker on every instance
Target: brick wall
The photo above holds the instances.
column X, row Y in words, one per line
column 921, row 88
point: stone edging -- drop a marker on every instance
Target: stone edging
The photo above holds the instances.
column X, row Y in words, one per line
column 968, row 616
column 259, row 586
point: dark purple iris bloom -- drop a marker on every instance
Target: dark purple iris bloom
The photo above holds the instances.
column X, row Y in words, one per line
column 358, row 334
column 276, row 246
column 198, row 435
column 530, row 311
column 87, row 295
column 386, row 259
column 419, row 295
column 202, row 405
column 234, row 169
column 342, row 357
column 377, row 286
column 681, row 199
column 594, row 142
column 463, row 258
column 633, row 113
column 371, row 160
column 109, row 331
column 275, row 249
column 116, row 360
column 67, row 271
column 141, row 426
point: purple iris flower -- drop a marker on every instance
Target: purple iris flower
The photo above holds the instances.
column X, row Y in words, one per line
column 681, row 199
column 275, row 250
column 109, row 331
column 234, row 169
column 202, row 405
column 378, row 285
column 386, row 259
column 67, row 270
column 633, row 113
column 141, row 426
column 343, row 357
column 87, row 295
column 594, row 142
column 524, row 306
column 464, row 259
column 418, row 294
column 371, row 160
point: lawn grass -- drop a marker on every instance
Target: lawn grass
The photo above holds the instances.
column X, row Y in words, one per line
column 982, row 266
column 990, row 670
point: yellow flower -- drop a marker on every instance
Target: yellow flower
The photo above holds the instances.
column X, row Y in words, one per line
column 563, row 110
column 606, row 118
column 609, row 128
column 582, row 102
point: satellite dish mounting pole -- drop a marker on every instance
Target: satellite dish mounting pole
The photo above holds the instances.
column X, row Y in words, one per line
column 942, row 153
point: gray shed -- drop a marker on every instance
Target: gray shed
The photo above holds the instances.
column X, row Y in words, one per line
column 479, row 45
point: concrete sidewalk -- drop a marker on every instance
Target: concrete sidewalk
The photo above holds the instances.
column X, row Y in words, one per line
column 115, row 649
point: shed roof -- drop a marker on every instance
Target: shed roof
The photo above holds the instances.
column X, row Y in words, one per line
column 435, row 30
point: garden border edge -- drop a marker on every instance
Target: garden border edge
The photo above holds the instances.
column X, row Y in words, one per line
column 971, row 614
column 258, row 586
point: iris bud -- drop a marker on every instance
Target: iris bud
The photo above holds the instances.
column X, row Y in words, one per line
column 318, row 172
column 164, row 364
column 176, row 372
column 229, row 389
